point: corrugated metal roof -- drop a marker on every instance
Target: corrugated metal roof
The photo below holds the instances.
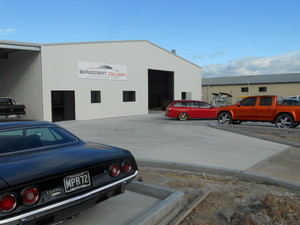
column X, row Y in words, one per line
column 18, row 43
column 127, row 41
column 26, row 46
column 8, row 47
column 255, row 79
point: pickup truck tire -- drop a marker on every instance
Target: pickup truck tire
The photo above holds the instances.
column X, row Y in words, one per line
column 284, row 120
column 224, row 118
column 183, row 116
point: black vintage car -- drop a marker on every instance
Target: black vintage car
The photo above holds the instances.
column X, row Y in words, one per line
column 8, row 107
column 47, row 174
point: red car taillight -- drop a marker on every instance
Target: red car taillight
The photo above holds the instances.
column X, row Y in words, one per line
column 7, row 202
column 126, row 166
column 30, row 195
column 114, row 170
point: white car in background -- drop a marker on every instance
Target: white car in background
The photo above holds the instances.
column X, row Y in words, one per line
column 296, row 96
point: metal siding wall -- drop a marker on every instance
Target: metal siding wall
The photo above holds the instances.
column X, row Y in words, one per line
column 21, row 79
column 187, row 77
column 60, row 65
column 285, row 90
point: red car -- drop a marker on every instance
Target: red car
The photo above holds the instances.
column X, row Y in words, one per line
column 188, row 109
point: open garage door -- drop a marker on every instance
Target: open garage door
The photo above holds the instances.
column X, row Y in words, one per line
column 21, row 76
column 160, row 88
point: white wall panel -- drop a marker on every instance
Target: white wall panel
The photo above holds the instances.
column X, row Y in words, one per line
column 60, row 65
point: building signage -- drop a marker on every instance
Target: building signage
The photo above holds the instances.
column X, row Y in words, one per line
column 93, row 70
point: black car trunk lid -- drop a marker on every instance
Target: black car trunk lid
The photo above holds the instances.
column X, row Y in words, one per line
column 16, row 169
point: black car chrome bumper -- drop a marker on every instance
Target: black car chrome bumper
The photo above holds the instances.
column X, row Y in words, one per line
column 70, row 206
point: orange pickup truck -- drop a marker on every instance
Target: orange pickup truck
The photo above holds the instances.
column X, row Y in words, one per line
column 266, row 108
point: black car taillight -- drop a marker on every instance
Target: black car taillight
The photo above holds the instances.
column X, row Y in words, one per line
column 126, row 166
column 7, row 202
column 30, row 195
column 114, row 170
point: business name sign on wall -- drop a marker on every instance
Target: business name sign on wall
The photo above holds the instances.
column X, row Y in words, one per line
column 93, row 70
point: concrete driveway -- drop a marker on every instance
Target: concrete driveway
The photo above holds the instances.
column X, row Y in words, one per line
column 154, row 137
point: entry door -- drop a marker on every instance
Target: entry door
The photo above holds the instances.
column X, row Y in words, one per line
column 63, row 105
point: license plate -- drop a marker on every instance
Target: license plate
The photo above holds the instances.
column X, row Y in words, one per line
column 77, row 181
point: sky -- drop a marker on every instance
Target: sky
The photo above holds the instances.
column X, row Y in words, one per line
column 224, row 37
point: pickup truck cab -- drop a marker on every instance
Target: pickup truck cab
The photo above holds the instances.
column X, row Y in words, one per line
column 9, row 107
column 266, row 108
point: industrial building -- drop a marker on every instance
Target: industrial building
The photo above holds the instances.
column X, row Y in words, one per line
column 284, row 85
column 91, row 80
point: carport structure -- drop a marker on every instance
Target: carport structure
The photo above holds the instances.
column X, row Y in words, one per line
column 21, row 75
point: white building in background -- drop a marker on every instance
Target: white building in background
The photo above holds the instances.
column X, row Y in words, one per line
column 94, row 80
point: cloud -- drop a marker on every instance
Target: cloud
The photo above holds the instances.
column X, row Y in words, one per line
column 7, row 31
column 216, row 54
column 195, row 57
column 212, row 55
column 286, row 63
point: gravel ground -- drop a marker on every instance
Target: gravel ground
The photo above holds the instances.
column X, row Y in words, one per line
column 234, row 201
column 230, row 201
column 265, row 131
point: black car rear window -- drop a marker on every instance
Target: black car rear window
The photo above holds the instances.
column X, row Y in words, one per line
column 4, row 101
column 32, row 138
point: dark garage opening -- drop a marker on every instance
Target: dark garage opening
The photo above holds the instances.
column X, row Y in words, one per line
column 63, row 105
column 160, row 88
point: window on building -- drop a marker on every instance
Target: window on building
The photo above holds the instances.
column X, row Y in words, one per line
column 262, row 89
column 128, row 96
column 95, row 96
column 186, row 95
column 244, row 89
column 265, row 101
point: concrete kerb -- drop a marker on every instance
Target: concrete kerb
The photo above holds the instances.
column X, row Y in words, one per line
column 218, row 172
column 162, row 213
column 235, row 129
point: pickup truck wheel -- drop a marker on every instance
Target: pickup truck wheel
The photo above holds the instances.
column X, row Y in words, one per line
column 182, row 116
column 284, row 121
column 224, row 118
